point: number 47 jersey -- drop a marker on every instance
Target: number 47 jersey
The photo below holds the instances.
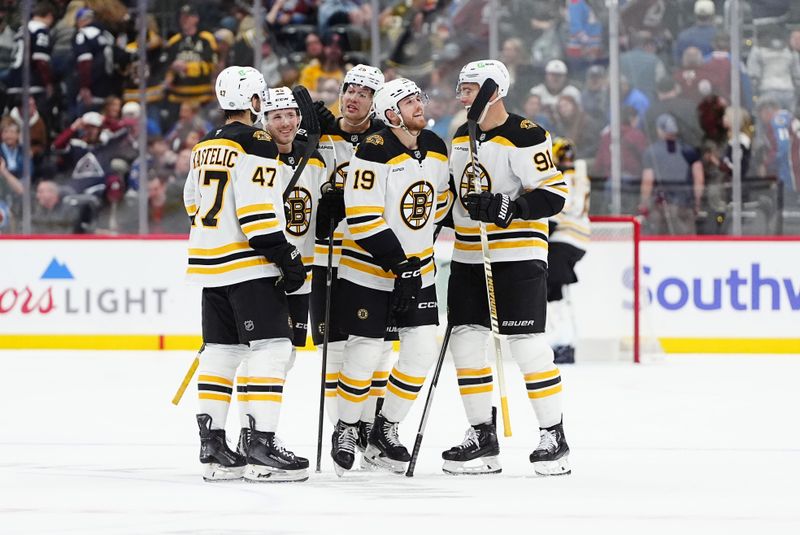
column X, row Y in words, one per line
column 513, row 158
column 232, row 194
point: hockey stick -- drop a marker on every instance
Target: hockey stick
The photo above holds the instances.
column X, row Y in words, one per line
column 313, row 133
column 325, row 333
column 428, row 402
column 189, row 374
column 475, row 113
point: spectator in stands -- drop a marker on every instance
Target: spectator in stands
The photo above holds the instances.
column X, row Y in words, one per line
column 42, row 80
column 80, row 147
column 672, row 182
column 112, row 113
column 192, row 57
column 689, row 77
column 314, row 49
column 155, row 70
column 547, row 42
column 49, row 214
column 93, row 48
column 290, row 73
column 285, row 12
column 165, row 211
column 670, row 101
column 718, row 160
column 37, row 129
column 11, row 162
column 189, row 120
column 778, row 145
column 701, row 34
column 633, row 144
column 595, row 97
column 555, row 84
column 6, row 43
column 571, row 122
column 659, row 18
column 640, row 65
column 225, row 41
column 62, row 37
column 774, row 69
column 514, row 58
column 717, row 70
column 585, row 35
column 533, row 110
column 331, row 66
column 333, row 12
column 634, row 98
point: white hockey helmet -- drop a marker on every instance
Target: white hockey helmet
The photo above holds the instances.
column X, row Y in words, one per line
column 390, row 94
column 363, row 75
column 477, row 72
column 280, row 98
column 236, row 86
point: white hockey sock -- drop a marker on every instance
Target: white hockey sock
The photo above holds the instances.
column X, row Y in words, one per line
column 417, row 354
column 380, row 378
column 542, row 378
column 241, row 394
column 267, row 372
column 468, row 346
column 361, row 355
column 333, row 365
column 218, row 363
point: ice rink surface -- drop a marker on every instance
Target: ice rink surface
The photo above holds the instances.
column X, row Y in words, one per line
column 90, row 444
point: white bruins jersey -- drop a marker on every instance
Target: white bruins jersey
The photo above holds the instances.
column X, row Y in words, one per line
column 232, row 194
column 572, row 223
column 393, row 190
column 300, row 207
column 512, row 158
column 337, row 149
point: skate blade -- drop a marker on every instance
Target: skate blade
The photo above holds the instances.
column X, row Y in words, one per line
column 488, row 465
column 217, row 472
column 559, row 467
column 372, row 456
column 340, row 470
column 266, row 474
column 365, row 465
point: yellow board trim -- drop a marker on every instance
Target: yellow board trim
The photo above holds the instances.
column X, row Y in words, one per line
column 545, row 393
column 731, row 345
column 214, row 379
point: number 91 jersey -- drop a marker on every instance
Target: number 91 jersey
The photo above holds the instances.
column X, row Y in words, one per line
column 232, row 194
column 512, row 158
column 393, row 190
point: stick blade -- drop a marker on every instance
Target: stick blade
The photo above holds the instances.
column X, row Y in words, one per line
column 310, row 121
column 481, row 99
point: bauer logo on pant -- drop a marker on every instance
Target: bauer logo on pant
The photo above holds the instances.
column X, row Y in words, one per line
column 417, row 204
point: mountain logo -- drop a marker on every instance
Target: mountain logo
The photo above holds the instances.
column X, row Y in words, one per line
column 57, row 270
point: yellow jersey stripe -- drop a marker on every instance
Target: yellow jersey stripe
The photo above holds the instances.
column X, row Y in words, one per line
column 360, row 228
column 365, row 268
column 437, row 156
column 253, row 208
column 316, row 163
column 237, row 246
column 191, row 209
column 398, row 159
column 460, row 139
column 204, row 270
column 260, row 225
column 363, row 210
column 515, row 225
column 216, row 142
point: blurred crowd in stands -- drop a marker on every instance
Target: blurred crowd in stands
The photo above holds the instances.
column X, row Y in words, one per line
column 675, row 86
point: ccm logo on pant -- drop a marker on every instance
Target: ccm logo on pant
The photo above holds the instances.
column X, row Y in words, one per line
column 427, row 304
column 410, row 274
column 518, row 323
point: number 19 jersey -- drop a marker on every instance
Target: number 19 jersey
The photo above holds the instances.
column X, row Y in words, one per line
column 232, row 194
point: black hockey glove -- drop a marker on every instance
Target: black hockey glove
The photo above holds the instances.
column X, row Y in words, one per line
column 497, row 208
column 290, row 262
column 326, row 118
column 407, row 284
column 330, row 207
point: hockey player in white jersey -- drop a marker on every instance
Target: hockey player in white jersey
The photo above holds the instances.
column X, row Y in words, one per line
column 521, row 188
column 340, row 137
column 396, row 190
column 239, row 254
column 569, row 236
column 282, row 123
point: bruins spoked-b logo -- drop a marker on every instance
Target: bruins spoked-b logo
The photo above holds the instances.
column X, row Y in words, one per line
column 417, row 204
column 298, row 212
column 467, row 180
column 340, row 174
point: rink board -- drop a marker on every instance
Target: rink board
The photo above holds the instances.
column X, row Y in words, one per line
column 699, row 296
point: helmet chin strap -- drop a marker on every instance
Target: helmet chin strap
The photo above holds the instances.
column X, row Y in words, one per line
column 348, row 123
column 402, row 126
column 486, row 110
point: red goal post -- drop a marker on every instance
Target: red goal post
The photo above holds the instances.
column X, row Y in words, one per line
column 623, row 228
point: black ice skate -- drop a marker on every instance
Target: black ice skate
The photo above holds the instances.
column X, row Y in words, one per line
column 343, row 450
column 244, row 441
column 219, row 462
column 270, row 462
column 551, row 456
column 480, row 445
column 564, row 355
column 384, row 449
column 364, row 429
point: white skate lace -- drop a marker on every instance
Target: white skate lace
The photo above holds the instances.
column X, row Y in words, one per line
column 347, row 439
column 470, row 440
column 278, row 445
column 547, row 441
column 390, row 432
